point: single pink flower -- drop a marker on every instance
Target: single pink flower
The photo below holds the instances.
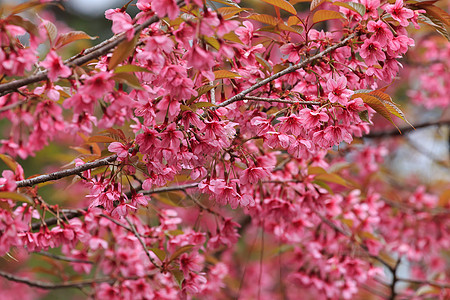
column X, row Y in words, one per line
column 55, row 66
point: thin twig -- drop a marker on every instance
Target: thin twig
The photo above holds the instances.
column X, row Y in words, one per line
column 64, row 285
column 64, row 258
column 142, row 243
column 404, row 130
column 441, row 285
column 288, row 70
column 171, row 188
column 65, row 173
column 278, row 100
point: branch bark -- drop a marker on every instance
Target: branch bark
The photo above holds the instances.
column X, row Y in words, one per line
column 395, row 132
column 65, row 173
column 288, row 70
column 64, row 285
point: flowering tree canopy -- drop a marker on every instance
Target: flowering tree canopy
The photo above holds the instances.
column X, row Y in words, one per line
column 210, row 151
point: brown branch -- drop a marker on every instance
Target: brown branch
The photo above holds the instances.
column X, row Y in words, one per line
column 63, row 285
column 395, row 132
column 278, row 100
column 64, row 258
column 394, row 280
column 171, row 188
column 65, row 173
column 142, row 243
column 241, row 95
column 441, row 285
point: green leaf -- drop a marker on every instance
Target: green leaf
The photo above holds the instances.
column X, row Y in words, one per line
column 325, row 15
column 221, row 74
column 130, row 68
column 180, row 251
column 179, row 277
column 284, row 5
column 199, row 105
column 129, row 79
column 212, row 42
column 16, row 197
column 356, row 7
column 159, row 253
column 232, row 37
column 122, row 52
column 72, row 36
column 266, row 19
column 333, row 178
column 9, row 161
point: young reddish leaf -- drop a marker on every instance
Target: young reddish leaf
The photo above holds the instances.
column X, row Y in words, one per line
column 229, row 11
column 25, row 24
column 325, row 15
column 356, row 7
column 72, row 36
column 293, row 20
column 293, row 2
column 122, row 52
column 101, row 139
column 180, row 251
column 315, row 4
column 436, row 12
column 116, row 134
column 377, row 105
column 435, row 23
column 52, row 31
column 221, row 74
column 266, row 19
column 9, row 161
column 228, row 2
column 284, row 27
column 16, row 197
column 24, row 6
column 284, row 5
column 130, row 68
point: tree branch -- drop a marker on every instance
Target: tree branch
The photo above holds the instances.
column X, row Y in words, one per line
column 278, row 100
column 64, row 258
column 395, row 132
column 133, row 228
column 288, row 70
column 65, row 173
column 69, row 284
column 441, row 285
